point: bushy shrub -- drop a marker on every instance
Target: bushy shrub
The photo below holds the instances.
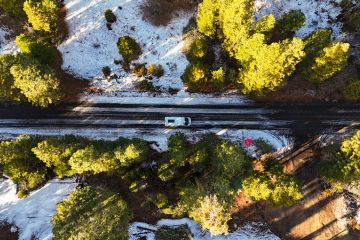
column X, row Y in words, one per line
column 352, row 90
column 264, row 146
column 14, row 7
column 155, row 70
column 90, row 213
column 110, row 16
column 198, row 49
column 36, row 82
column 43, row 52
column 20, row 163
column 8, row 93
column 195, row 76
column 106, row 71
column 140, row 70
column 146, row 86
column 128, row 48
column 43, row 15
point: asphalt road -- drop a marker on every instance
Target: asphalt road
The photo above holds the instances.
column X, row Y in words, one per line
column 306, row 120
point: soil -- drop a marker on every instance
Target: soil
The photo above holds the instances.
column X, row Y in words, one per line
column 6, row 233
column 161, row 12
column 72, row 85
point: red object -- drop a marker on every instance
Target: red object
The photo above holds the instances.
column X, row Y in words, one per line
column 248, row 141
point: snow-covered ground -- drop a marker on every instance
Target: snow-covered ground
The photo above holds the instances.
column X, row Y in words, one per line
column 91, row 46
column 319, row 13
column 7, row 45
column 33, row 214
column 251, row 231
column 159, row 137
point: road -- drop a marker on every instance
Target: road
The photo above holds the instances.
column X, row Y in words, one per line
column 309, row 119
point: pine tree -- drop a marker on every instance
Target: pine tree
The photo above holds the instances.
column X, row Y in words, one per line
column 14, row 7
column 206, row 17
column 42, row 14
column 268, row 66
column 8, row 93
column 331, row 60
column 36, row 82
column 211, row 214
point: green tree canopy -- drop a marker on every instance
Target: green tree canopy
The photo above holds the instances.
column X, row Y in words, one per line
column 331, row 60
column 345, row 164
column 91, row 213
column 42, row 14
column 56, row 152
column 42, row 51
column 20, row 163
column 211, row 215
column 36, row 82
column 14, row 7
column 8, row 92
column 289, row 23
column 274, row 186
column 105, row 156
column 266, row 66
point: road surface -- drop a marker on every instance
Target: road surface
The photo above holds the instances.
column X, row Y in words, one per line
column 304, row 120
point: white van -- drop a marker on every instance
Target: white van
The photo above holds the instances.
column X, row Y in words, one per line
column 177, row 121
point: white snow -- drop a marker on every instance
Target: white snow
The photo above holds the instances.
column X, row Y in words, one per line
column 7, row 45
column 181, row 98
column 91, row 46
column 250, row 231
column 319, row 13
column 33, row 214
column 280, row 141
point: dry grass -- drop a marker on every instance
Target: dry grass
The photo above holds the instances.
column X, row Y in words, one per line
column 160, row 12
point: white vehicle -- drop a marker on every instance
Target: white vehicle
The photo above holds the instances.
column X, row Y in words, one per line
column 177, row 121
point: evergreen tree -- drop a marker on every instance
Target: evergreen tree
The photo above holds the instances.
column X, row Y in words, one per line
column 42, row 14
column 345, row 164
column 8, row 92
column 21, row 165
column 36, row 82
column 266, row 66
column 14, row 7
column 331, row 60
column 352, row 90
column 32, row 46
column 289, row 23
column 91, row 213
column 265, row 25
column 56, row 152
column 211, row 215
column 206, row 17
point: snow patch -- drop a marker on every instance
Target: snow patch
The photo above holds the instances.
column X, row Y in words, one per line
column 159, row 137
column 7, row 45
column 91, row 46
column 319, row 14
column 250, row 231
column 33, row 214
